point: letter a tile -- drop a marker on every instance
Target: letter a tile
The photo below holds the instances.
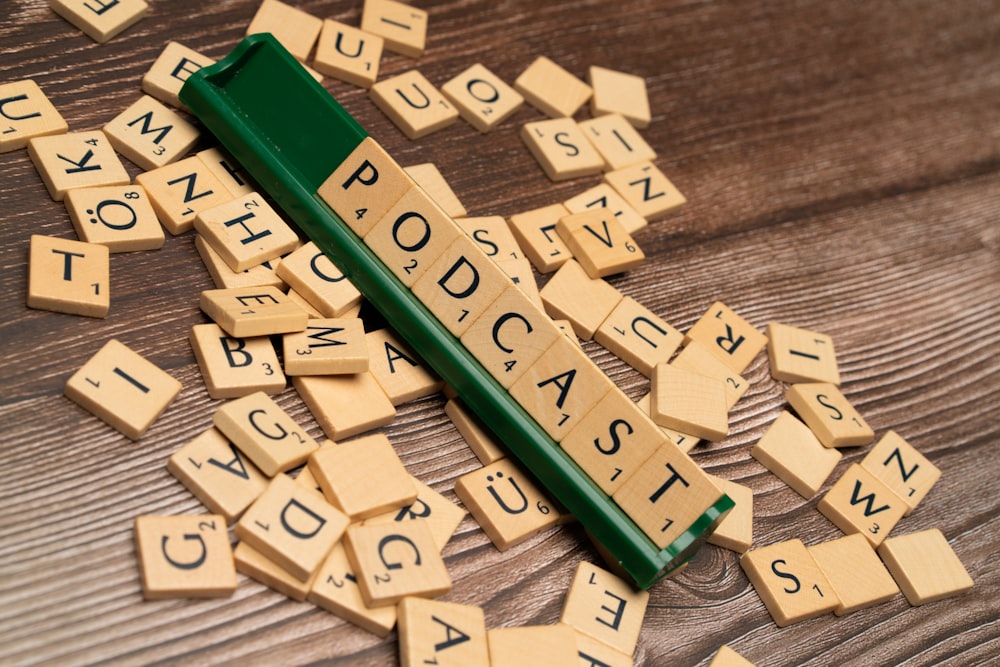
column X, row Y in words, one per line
column 433, row 632
column 184, row 557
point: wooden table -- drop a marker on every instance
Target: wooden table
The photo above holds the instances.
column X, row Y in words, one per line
column 842, row 166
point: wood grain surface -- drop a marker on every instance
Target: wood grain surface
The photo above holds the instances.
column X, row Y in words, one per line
column 842, row 165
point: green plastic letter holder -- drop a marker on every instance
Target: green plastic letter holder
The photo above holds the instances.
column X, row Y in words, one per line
column 290, row 134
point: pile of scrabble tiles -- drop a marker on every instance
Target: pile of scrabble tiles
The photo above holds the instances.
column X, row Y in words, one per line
column 343, row 531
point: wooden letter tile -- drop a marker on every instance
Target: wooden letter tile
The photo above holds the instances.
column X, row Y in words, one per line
column 314, row 277
column 295, row 29
column 345, row 405
column 902, row 468
column 120, row 217
column 429, row 179
column 336, row 590
column 617, row 141
column 549, row 645
column 925, row 566
column 727, row 657
column 403, row 376
column 213, row 469
column 25, row 112
column 573, row 295
column 551, row 89
column 262, row 569
column 328, row 346
column 474, row 432
column 593, row 653
column 599, row 242
column 601, row 605
column 507, row 504
column 348, row 54
column 171, row 69
column 638, row 336
column 697, row 358
column 433, row 632
column 789, row 582
column 394, row 560
column 76, row 160
column 798, row 355
column 230, row 173
column 834, row 421
column 100, row 19
column 184, row 557
column 181, row 190
column 123, row 389
column 646, row 189
column 253, row 311
column 234, row 367
column 684, row 441
column 856, row 574
column 859, row 503
column 225, row 278
column 689, row 402
column 535, row 232
column 562, row 149
column 246, row 231
column 482, row 98
column 265, row 433
column 404, row 28
column 67, row 276
column 735, row 531
column 413, row 104
column 792, row 452
column 439, row 513
column 729, row 337
column 292, row 526
column 493, row 236
column 149, row 134
column 618, row 92
column 604, row 196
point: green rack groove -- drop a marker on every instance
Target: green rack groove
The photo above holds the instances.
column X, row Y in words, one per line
column 290, row 134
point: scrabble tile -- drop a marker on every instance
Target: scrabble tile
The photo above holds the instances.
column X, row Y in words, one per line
column 613, row 440
column 234, row 367
column 667, row 494
column 859, row 503
column 493, row 236
column 328, row 346
column 697, row 358
column 684, row 441
column 149, row 134
column 799, row 355
column 506, row 503
column 365, row 186
column 599, row 243
column 170, row 71
column 604, row 196
column 482, row 443
column 25, row 112
column 413, row 104
column 549, row 645
column 638, row 336
column 925, row 566
column 523, row 276
column 729, row 337
column 551, row 89
column 292, row 527
column 573, row 295
column 184, row 557
column 212, row 469
column 831, row 417
column 689, row 402
column 434, row 632
column 253, row 311
column 856, row 574
column 246, row 231
column 535, row 232
column 509, row 336
column 230, row 173
column 76, row 160
column 123, row 389
column 294, row 29
column 100, row 19
column 120, row 217
column 482, row 98
column 727, row 657
column 404, row 28
column 441, row 515
column 429, row 179
column 617, row 141
column 567, row 328
column 902, row 468
column 336, row 590
column 619, row 92
column 560, row 388
column 263, row 570
column 593, row 653
column 345, row 405
column 412, row 235
column 67, row 276
column 646, row 189
column 789, row 582
column 606, row 608
column 363, row 477
column 735, row 531
column 180, row 191
column 349, row 54
column 403, row 376
column 314, row 276
column 395, row 560
column 305, row 305
column 561, row 149
column 460, row 285
column 792, row 452
column 264, row 432
column 225, row 278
